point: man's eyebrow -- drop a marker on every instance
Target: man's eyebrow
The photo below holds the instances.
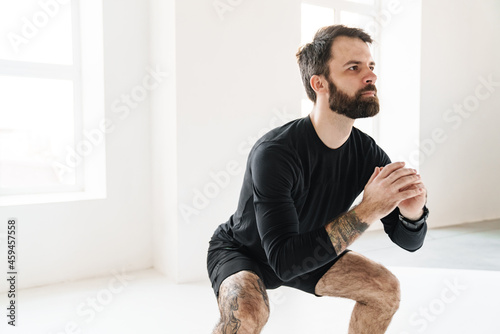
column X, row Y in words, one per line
column 357, row 62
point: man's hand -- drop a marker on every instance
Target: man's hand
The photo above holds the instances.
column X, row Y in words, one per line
column 412, row 208
column 389, row 187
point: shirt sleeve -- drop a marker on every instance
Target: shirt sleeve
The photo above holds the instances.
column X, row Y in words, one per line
column 275, row 171
column 411, row 240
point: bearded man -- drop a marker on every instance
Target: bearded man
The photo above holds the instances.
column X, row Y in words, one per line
column 295, row 220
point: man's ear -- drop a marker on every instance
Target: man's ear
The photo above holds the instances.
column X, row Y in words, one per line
column 319, row 84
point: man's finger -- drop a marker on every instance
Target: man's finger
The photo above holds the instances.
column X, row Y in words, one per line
column 374, row 175
column 406, row 181
column 410, row 193
column 400, row 173
column 415, row 185
column 388, row 169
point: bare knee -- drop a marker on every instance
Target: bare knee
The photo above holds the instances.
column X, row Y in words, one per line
column 389, row 291
column 243, row 304
column 253, row 312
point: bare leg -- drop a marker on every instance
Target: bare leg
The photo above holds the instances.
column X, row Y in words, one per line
column 243, row 304
column 374, row 288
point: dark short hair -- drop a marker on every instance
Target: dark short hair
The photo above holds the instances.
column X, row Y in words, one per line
column 313, row 57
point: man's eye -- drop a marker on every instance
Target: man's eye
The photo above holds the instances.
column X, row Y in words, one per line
column 372, row 68
column 353, row 68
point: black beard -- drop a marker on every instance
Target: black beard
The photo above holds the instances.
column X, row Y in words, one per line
column 353, row 107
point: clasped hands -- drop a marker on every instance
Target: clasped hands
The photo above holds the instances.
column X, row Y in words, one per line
column 389, row 187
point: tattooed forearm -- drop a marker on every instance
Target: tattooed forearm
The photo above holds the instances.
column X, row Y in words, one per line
column 344, row 230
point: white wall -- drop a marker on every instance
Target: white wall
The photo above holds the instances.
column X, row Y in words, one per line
column 74, row 240
column 460, row 165
column 164, row 140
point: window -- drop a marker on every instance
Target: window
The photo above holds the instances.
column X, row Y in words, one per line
column 356, row 13
column 51, row 84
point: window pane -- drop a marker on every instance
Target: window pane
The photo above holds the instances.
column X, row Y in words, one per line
column 306, row 107
column 365, row 125
column 36, row 130
column 313, row 18
column 355, row 20
column 364, row 2
column 36, row 31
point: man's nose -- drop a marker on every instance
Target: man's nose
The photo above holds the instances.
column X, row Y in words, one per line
column 370, row 77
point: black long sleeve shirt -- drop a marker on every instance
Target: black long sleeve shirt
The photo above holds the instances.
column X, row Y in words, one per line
column 293, row 186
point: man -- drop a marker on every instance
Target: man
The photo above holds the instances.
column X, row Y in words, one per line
column 293, row 224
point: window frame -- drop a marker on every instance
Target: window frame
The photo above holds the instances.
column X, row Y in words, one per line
column 87, row 75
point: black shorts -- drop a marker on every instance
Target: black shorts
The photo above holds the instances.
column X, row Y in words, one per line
column 226, row 258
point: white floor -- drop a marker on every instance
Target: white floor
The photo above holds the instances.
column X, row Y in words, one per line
column 433, row 301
